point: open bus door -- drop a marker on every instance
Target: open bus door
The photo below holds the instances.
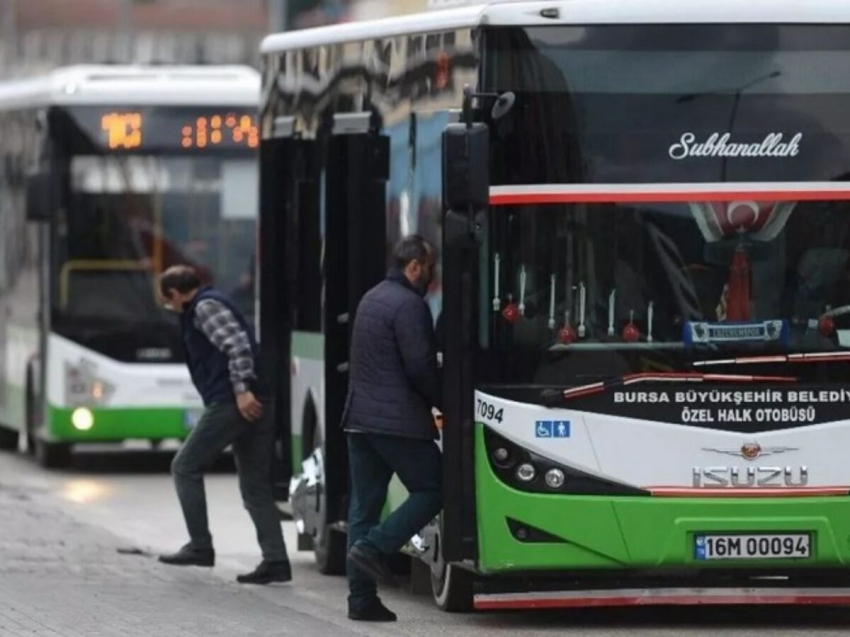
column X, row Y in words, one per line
column 465, row 199
column 352, row 212
column 357, row 170
column 284, row 183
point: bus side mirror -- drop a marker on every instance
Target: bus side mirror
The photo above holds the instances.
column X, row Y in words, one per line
column 40, row 197
column 466, row 167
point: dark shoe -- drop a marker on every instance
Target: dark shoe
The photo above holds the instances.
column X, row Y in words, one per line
column 372, row 563
column 373, row 612
column 190, row 556
column 266, row 573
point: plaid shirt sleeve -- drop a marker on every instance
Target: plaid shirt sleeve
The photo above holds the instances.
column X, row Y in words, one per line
column 220, row 326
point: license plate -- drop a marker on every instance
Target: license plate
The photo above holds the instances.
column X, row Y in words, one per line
column 191, row 417
column 752, row 547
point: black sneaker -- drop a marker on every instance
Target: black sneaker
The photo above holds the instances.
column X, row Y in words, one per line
column 373, row 612
column 190, row 556
column 266, row 573
column 372, row 563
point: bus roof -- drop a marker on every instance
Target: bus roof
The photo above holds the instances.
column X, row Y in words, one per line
column 134, row 85
column 528, row 12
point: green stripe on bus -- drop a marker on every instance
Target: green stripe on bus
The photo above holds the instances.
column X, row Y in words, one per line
column 308, row 345
column 115, row 424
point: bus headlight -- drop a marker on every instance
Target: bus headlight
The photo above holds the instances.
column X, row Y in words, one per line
column 555, row 478
column 83, row 387
column 82, row 419
column 526, row 472
column 502, row 457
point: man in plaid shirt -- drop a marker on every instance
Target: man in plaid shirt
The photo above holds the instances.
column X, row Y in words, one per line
column 222, row 354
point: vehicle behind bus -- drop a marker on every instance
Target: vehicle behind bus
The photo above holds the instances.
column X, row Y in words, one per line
column 113, row 174
column 642, row 227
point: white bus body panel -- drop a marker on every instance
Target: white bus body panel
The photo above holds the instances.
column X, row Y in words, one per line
column 660, row 456
column 308, row 384
column 527, row 13
column 135, row 85
column 134, row 385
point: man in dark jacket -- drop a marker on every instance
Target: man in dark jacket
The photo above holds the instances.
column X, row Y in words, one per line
column 221, row 353
column 393, row 385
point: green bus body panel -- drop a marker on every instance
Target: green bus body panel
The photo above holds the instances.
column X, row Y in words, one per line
column 589, row 525
column 396, row 495
column 295, row 450
column 118, row 424
column 308, row 345
column 642, row 532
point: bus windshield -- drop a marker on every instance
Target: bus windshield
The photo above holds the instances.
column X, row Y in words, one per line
column 580, row 289
column 592, row 290
column 130, row 217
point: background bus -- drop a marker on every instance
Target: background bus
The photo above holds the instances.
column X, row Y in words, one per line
column 109, row 175
column 667, row 205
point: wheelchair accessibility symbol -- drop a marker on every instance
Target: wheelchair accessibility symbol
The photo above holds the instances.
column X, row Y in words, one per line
column 552, row 429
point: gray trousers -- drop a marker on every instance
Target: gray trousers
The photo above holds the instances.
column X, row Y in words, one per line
column 252, row 444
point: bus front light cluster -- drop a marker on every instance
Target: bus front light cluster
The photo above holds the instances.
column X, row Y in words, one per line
column 84, row 388
column 530, row 472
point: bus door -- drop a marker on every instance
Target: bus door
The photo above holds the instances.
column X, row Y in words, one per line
column 286, row 187
column 465, row 198
column 356, row 174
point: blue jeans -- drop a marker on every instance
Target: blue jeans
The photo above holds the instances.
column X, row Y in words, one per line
column 374, row 459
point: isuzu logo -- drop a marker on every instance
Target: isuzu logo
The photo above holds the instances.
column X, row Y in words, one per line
column 750, row 477
column 751, row 450
column 717, row 145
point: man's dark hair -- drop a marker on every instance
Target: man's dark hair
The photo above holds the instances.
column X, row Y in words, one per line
column 411, row 248
column 182, row 278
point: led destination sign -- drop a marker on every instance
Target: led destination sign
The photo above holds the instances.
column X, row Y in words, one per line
column 121, row 130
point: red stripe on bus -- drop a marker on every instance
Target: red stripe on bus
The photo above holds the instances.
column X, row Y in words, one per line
column 518, row 199
column 674, row 600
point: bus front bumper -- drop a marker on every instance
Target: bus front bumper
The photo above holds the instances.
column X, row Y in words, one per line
column 116, row 424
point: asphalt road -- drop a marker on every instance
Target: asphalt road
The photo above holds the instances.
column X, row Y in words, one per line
column 126, row 501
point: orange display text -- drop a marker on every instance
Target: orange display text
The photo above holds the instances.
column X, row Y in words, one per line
column 123, row 130
column 213, row 130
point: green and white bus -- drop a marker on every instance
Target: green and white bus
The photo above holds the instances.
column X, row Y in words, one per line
column 642, row 213
column 109, row 175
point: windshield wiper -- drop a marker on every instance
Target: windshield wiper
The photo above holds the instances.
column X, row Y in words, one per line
column 813, row 357
column 555, row 397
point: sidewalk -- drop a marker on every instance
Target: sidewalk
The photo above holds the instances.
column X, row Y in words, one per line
column 60, row 577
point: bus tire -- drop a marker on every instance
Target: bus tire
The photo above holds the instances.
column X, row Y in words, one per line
column 451, row 586
column 331, row 552
column 452, row 589
column 52, row 455
column 29, row 415
column 329, row 544
column 8, row 439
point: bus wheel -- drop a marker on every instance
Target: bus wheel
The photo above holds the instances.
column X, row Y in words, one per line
column 8, row 439
column 329, row 544
column 52, row 455
column 451, row 586
column 29, row 416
